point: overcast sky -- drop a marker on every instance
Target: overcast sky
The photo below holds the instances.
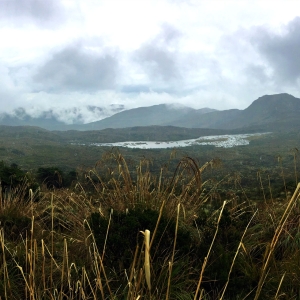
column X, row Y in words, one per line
column 219, row 54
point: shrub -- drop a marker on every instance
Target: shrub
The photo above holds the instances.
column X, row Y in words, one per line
column 124, row 235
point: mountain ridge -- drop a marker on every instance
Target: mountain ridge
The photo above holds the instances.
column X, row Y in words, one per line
column 268, row 112
column 160, row 114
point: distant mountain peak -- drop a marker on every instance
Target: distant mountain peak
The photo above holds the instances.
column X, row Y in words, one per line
column 276, row 97
column 177, row 106
column 268, row 112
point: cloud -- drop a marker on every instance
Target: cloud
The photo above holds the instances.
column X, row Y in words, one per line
column 158, row 57
column 135, row 88
column 143, row 54
column 68, row 115
column 281, row 50
column 78, row 68
column 41, row 12
column 169, row 67
column 10, row 93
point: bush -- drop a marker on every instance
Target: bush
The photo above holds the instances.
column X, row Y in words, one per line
column 54, row 177
column 124, row 235
column 13, row 179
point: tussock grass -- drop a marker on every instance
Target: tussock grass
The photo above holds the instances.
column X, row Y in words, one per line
column 124, row 233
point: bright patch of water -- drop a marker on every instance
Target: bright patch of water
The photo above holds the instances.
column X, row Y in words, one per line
column 224, row 141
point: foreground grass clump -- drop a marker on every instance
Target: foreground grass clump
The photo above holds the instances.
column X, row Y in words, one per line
column 125, row 234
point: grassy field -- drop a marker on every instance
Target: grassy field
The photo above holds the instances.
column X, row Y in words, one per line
column 208, row 238
column 191, row 223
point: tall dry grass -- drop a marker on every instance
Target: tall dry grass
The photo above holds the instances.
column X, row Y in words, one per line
column 50, row 251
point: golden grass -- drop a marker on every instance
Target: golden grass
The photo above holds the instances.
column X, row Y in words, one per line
column 57, row 256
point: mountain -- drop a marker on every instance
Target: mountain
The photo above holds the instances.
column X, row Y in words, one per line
column 269, row 109
column 161, row 115
column 278, row 112
column 214, row 119
column 269, row 112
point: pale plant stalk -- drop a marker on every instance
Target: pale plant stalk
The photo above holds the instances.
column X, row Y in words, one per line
column 295, row 152
column 132, row 271
column 261, row 186
column 282, row 174
column 26, row 263
column 271, row 195
column 106, row 236
column 52, row 241
column 208, row 253
column 139, row 279
column 173, row 253
column 159, row 180
column 157, row 223
column 98, row 278
column 43, row 266
column 32, row 258
column 147, row 259
column 89, row 283
column 5, row 273
column 279, row 286
column 235, row 256
column 25, row 280
column 275, row 239
column 97, row 256
column 63, row 268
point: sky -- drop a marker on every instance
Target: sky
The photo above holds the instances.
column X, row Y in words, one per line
column 221, row 54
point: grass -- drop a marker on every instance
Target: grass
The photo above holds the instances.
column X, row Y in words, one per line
column 125, row 233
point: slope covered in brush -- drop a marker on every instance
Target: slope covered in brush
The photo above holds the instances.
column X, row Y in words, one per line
column 269, row 109
column 161, row 114
column 269, row 112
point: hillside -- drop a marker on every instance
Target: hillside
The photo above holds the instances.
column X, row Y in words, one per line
column 34, row 147
column 215, row 119
column 160, row 115
column 268, row 113
column 269, row 110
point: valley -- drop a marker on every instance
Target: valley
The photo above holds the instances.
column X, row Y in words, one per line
column 149, row 150
column 202, row 187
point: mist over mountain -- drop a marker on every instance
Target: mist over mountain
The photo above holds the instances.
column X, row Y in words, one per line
column 267, row 113
column 57, row 118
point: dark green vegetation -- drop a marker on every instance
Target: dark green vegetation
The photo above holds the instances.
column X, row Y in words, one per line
column 31, row 148
column 223, row 222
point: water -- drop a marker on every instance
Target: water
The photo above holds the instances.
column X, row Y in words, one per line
column 224, row 141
